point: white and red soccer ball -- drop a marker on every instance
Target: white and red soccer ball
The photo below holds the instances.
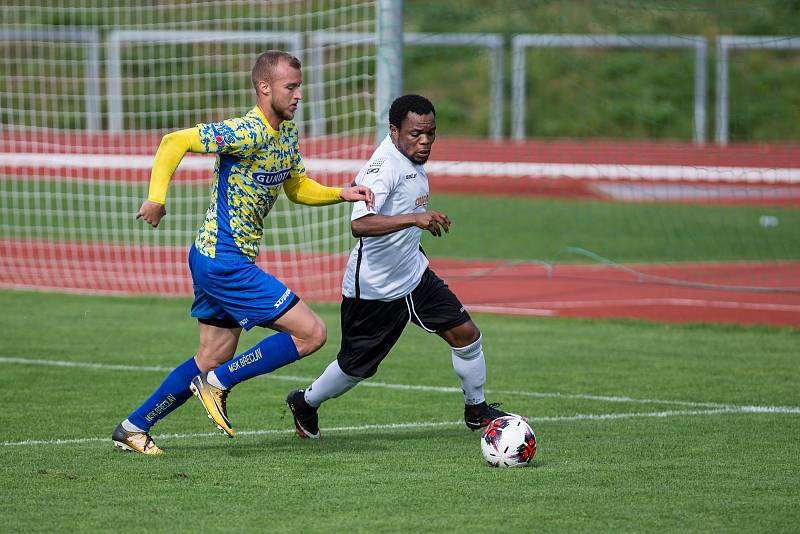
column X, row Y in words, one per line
column 508, row 442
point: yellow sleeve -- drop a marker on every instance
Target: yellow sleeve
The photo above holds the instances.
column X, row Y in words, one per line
column 303, row 190
column 170, row 153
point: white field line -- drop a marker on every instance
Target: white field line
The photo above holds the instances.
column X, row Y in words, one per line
column 434, row 389
column 544, row 308
column 682, row 173
column 431, row 424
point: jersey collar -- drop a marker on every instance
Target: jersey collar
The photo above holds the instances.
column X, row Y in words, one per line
column 270, row 130
column 391, row 146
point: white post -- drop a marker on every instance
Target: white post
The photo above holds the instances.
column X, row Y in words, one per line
column 700, row 91
column 518, row 88
column 722, row 90
column 389, row 61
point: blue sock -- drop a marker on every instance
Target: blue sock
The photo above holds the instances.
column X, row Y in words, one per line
column 172, row 392
column 271, row 353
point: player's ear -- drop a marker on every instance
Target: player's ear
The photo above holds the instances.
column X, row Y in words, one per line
column 264, row 88
column 393, row 132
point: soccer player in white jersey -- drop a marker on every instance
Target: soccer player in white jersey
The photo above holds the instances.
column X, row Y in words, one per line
column 257, row 157
column 388, row 283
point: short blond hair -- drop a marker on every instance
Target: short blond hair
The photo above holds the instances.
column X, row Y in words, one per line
column 266, row 63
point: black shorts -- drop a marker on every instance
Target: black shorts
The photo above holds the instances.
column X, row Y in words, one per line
column 370, row 328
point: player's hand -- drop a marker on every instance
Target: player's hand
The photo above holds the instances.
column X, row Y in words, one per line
column 357, row 193
column 434, row 222
column 151, row 212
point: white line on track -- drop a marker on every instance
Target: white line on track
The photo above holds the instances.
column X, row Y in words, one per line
column 417, row 387
column 432, row 424
column 586, row 171
column 544, row 307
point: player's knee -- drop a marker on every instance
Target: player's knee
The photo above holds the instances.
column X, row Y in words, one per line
column 463, row 335
column 320, row 335
column 473, row 333
column 314, row 339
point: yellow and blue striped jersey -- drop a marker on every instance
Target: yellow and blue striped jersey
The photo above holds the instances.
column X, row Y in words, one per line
column 253, row 162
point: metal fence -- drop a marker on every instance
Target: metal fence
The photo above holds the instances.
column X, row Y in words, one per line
column 725, row 44
column 521, row 42
column 494, row 43
column 92, row 40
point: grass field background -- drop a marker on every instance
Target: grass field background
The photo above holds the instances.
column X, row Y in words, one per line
column 685, row 456
column 532, row 228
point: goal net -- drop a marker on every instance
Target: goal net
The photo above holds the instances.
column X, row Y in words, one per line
column 89, row 88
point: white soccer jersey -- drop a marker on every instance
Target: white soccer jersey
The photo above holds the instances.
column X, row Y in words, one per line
column 388, row 267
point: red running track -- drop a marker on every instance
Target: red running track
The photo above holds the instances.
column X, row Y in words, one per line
column 494, row 287
column 607, row 292
column 575, row 291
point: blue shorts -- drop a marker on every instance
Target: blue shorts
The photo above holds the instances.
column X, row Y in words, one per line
column 233, row 290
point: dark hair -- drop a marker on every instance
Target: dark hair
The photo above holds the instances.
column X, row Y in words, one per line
column 262, row 70
column 409, row 103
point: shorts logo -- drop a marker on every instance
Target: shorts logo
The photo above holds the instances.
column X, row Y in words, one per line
column 244, row 322
column 283, row 298
column 269, row 179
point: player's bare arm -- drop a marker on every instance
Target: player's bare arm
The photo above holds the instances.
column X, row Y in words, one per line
column 375, row 225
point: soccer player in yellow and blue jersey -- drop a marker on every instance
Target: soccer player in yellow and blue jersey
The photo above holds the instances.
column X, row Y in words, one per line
column 257, row 157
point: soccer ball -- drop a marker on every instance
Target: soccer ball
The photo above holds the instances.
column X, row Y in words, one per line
column 508, row 442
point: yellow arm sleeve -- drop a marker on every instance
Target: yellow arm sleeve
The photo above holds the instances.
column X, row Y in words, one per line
column 170, row 152
column 303, row 190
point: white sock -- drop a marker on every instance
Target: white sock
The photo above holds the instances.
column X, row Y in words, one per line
column 130, row 427
column 330, row 384
column 470, row 367
column 212, row 379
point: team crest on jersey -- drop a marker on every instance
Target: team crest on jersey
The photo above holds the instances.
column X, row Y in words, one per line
column 270, row 179
column 223, row 134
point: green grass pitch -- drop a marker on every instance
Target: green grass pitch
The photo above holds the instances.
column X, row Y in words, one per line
column 532, row 228
column 641, row 426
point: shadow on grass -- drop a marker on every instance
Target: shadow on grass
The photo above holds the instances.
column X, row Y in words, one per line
column 334, row 443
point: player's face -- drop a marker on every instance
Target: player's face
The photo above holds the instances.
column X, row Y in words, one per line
column 415, row 136
column 284, row 90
